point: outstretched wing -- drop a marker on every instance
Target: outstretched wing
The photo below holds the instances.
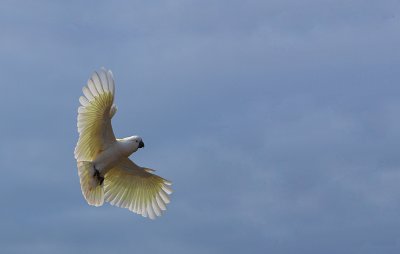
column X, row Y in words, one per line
column 135, row 188
column 94, row 116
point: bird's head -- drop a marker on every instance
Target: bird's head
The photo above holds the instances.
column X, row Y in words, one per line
column 135, row 141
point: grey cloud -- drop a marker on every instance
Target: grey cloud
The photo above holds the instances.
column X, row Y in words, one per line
column 276, row 122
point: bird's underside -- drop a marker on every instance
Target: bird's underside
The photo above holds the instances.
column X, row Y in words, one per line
column 105, row 171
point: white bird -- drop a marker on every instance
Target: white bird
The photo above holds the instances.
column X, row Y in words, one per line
column 105, row 171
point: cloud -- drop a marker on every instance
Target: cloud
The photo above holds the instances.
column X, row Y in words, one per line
column 276, row 122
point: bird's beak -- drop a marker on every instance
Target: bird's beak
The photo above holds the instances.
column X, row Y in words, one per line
column 141, row 144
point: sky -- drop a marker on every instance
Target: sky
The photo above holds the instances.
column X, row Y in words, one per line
column 276, row 121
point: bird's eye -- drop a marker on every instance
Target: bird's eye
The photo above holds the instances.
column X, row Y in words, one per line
column 136, row 141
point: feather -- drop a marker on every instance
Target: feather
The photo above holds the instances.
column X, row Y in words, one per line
column 91, row 190
column 94, row 124
column 130, row 186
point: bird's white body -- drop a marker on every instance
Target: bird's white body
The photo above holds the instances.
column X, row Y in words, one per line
column 106, row 173
column 111, row 157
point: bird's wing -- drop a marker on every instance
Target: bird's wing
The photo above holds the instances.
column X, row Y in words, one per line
column 94, row 116
column 135, row 188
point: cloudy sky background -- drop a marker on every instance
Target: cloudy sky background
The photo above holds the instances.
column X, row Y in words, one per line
column 277, row 121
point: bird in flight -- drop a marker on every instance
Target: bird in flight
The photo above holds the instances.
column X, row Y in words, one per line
column 105, row 171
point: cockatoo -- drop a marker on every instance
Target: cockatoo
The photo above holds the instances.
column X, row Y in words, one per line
column 106, row 173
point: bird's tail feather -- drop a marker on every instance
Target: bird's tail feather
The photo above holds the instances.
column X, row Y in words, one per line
column 92, row 188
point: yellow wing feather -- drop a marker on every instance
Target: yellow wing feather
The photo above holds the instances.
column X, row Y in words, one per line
column 130, row 186
column 94, row 116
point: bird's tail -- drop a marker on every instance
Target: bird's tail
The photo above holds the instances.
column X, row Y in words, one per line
column 92, row 187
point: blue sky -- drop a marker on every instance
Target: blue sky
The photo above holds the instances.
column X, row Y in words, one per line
column 277, row 121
